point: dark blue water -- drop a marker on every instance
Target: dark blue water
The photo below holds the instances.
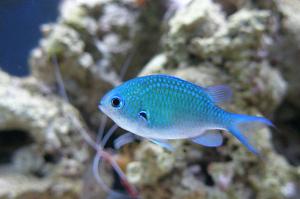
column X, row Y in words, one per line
column 20, row 22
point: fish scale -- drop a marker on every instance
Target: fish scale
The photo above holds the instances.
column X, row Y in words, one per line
column 164, row 107
column 171, row 92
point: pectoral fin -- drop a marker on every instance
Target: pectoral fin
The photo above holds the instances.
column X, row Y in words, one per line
column 124, row 139
column 163, row 143
column 211, row 138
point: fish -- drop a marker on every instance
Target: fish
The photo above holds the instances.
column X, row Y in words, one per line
column 163, row 107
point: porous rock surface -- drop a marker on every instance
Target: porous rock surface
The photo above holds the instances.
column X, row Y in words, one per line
column 208, row 46
column 235, row 42
column 42, row 152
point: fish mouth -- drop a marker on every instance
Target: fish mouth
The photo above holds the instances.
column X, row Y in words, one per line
column 103, row 108
column 100, row 106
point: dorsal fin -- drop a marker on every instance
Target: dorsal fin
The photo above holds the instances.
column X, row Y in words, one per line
column 219, row 94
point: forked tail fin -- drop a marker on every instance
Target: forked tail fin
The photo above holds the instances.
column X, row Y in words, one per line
column 242, row 123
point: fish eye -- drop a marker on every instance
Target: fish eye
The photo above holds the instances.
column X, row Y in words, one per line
column 116, row 102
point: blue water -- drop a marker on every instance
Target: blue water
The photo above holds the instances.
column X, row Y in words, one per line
column 20, row 22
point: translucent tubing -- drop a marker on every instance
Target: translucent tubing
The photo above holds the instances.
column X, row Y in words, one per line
column 101, row 153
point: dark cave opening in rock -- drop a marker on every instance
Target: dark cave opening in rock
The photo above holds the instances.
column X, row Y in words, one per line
column 10, row 141
column 208, row 179
column 286, row 138
column 229, row 7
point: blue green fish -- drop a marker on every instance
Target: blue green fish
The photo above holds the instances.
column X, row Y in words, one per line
column 163, row 107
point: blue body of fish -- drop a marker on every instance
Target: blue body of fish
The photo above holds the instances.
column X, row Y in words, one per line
column 163, row 107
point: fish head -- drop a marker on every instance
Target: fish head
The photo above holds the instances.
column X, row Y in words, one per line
column 122, row 105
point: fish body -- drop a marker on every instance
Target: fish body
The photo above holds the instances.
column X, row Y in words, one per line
column 164, row 107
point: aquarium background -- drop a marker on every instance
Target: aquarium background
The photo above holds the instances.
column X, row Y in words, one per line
column 20, row 22
column 58, row 58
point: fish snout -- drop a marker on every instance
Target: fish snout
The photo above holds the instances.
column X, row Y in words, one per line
column 101, row 105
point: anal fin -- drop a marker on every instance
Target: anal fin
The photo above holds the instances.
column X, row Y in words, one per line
column 211, row 138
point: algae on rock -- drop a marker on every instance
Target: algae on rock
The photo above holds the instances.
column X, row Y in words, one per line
column 49, row 151
column 205, row 42
column 285, row 56
column 91, row 41
column 232, row 51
